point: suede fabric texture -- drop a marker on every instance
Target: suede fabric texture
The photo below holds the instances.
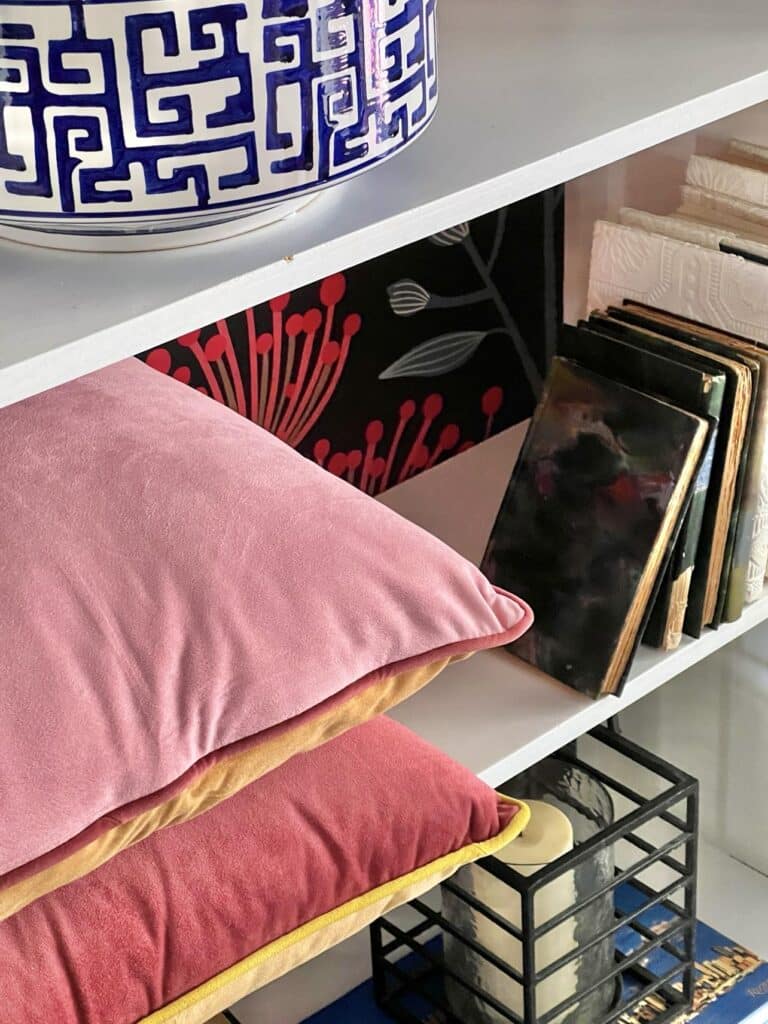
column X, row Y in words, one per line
column 174, row 580
column 189, row 902
column 214, row 778
column 321, row 933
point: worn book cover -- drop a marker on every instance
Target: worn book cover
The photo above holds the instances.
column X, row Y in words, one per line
column 750, row 184
column 697, row 390
column 599, row 489
column 749, row 219
column 709, row 235
column 747, row 551
column 714, row 288
column 726, row 470
column 750, row 154
column 751, row 546
column 731, row 981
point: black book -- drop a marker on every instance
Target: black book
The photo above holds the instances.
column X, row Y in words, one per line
column 585, row 527
column 690, row 387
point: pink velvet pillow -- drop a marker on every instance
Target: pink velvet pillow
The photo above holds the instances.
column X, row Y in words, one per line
column 199, row 915
column 185, row 603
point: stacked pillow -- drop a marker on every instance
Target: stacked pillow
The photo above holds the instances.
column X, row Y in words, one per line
column 191, row 612
column 194, row 918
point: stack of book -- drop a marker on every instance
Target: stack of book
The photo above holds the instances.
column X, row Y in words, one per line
column 704, row 272
column 639, row 505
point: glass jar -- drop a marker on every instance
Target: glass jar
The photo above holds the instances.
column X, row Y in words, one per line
column 571, row 793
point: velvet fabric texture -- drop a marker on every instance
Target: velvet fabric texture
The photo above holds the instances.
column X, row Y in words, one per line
column 175, row 580
column 189, row 902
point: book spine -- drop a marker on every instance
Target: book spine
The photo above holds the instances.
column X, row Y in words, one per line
column 750, row 556
column 667, row 619
column 678, row 604
column 758, row 567
column 678, row 600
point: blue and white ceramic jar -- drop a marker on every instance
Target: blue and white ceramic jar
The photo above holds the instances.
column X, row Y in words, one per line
column 140, row 124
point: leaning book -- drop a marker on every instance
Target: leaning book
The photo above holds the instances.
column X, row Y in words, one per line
column 689, row 387
column 590, row 516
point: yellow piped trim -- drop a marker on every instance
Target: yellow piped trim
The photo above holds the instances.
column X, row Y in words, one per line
column 222, row 780
column 421, row 878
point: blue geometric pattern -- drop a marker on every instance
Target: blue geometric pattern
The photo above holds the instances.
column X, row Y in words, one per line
column 115, row 109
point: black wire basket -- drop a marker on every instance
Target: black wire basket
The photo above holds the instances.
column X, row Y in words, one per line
column 649, row 932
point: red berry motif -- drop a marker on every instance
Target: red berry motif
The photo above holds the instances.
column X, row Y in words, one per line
column 322, row 449
column 433, row 406
column 352, row 324
column 374, row 432
column 338, row 464
column 214, row 348
column 492, row 401
column 329, row 353
column 294, row 325
column 159, row 359
column 332, row 290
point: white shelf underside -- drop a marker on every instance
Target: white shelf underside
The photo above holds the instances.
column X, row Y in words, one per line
column 533, row 93
column 498, row 716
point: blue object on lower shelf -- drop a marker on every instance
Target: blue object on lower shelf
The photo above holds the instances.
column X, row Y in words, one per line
column 731, row 981
column 357, row 1007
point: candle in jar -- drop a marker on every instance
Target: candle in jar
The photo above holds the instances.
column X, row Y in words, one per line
column 548, row 836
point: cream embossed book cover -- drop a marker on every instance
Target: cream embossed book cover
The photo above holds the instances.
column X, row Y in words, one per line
column 710, row 287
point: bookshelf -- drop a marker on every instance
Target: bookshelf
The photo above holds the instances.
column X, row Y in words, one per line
column 532, row 94
column 498, row 716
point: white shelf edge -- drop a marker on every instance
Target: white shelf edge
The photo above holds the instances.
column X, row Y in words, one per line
column 652, row 669
column 93, row 351
column 522, row 127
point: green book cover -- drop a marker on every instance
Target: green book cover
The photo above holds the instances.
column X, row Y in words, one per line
column 723, row 493
column 598, row 493
column 690, row 388
column 733, row 584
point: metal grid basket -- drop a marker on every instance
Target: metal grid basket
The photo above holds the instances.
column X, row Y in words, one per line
column 653, row 912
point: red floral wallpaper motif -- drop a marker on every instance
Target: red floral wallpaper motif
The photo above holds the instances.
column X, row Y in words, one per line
column 385, row 370
column 391, row 456
column 293, row 371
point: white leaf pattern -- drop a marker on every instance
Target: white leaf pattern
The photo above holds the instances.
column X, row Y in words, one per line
column 451, row 236
column 407, row 297
column 436, row 356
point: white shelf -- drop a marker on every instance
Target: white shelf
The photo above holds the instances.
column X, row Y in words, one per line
column 309, row 988
column 494, row 713
column 534, row 93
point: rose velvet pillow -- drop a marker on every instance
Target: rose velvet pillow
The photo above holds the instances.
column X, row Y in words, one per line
column 196, row 917
column 185, row 603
